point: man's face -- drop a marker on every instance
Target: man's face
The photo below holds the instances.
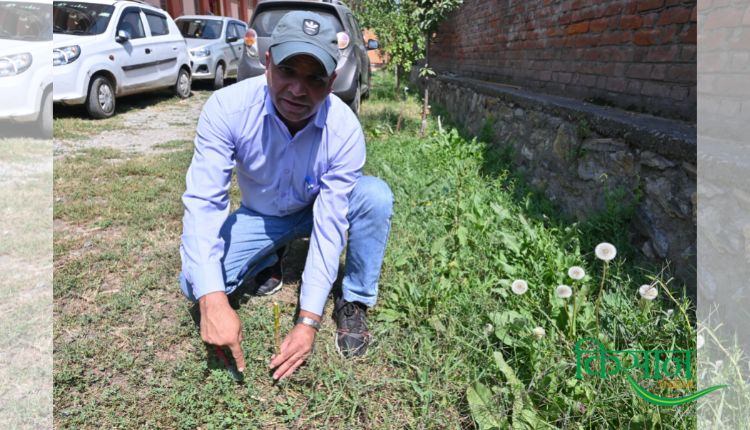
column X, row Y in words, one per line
column 298, row 86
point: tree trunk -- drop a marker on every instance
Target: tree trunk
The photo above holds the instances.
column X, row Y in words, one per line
column 398, row 83
column 425, row 105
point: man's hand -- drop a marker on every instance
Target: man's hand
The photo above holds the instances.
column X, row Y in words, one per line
column 295, row 349
column 220, row 325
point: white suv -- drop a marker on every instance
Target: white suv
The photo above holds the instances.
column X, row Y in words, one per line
column 106, row 48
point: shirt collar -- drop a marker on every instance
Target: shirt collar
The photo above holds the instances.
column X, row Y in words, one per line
column 319, row 119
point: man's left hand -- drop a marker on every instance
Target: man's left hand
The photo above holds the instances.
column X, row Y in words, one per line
column 295, row 349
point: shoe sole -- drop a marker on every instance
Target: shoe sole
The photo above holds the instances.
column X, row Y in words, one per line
column 272, row 292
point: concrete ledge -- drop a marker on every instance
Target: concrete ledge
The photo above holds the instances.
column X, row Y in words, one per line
column 674, row 139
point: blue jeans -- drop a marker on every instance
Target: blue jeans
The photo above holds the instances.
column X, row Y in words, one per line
column 251, row 241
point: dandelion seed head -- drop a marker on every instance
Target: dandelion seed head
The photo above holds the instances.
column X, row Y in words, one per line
column 605, row 251
column 563, row 291
column 576, row 273
column 519, row 286
column 648, row 292
column 538, row 332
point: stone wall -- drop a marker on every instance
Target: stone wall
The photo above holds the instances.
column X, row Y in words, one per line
column 577, row 153
column 634, row 54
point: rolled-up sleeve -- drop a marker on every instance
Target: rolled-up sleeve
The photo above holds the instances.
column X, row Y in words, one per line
column 206, row 201
column 330, row 222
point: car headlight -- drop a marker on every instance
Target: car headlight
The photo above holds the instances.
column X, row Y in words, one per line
column 66, row 55
column 200, row 52
column 12, row 65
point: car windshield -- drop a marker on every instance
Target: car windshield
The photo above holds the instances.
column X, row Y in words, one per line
column 266, row 20
column 81, row 18
column 25, row 21
column 199, row 28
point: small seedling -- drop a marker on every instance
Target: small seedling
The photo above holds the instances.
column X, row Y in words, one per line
column 277, row 327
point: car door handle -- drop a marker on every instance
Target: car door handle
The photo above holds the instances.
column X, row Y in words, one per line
column 148, row 51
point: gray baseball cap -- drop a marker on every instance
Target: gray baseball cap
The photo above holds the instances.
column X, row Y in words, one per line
column 302, row 32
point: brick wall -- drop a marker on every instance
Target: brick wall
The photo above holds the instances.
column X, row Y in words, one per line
column 637, row 55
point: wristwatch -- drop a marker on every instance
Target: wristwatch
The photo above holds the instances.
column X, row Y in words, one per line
column 308, row 322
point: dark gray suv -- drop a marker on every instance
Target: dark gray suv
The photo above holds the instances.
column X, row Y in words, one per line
column 353, row 70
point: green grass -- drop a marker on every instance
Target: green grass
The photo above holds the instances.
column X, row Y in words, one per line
column 127, row 354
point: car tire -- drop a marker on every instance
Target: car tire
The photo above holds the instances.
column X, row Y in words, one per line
column 356, row 101
column 219, row 77
column 100, row 102
column 182, row 86
column 44, row 121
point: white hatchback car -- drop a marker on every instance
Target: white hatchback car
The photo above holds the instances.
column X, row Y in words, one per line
column 25, row 67
column 215, row 45
column 108, row 48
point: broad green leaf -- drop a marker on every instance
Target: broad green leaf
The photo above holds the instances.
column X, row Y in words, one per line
column 484, row 412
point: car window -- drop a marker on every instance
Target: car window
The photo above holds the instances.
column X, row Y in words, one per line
column 239, row 29
column 266, row 20
column 81, row 18
column 231, row 30
column 357, row 36
column 157, row 22
column 130, row 21
column 25, row 21
column 199, row 28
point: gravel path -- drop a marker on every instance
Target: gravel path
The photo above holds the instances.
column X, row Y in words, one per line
column 143, row 128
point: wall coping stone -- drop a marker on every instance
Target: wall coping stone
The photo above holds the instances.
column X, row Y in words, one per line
column 674, row 139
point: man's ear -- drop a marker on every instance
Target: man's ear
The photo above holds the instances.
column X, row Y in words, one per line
column 330, row 82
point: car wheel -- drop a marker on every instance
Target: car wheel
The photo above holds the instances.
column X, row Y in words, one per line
column 219, row 77
column 44, row 122
column 354, row 104
column 100, row 102
column 182, row 86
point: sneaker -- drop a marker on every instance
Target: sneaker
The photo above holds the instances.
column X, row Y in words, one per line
column 352, row 336
column 269, row 280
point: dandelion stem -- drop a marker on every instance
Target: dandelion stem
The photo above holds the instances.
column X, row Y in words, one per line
column 277, row 327
column 599, row 297
column 575, row 312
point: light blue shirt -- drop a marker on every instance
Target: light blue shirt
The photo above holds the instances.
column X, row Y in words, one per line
column 278, row 175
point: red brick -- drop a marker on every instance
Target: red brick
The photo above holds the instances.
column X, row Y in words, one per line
column 694, row 15
column 722, row 18
column 598, row 25
column 586, row 40
column 658, row 54
column 645, row 37
column 613, row 9
column 672, row 2
column 565, row 18
column 631, row 7
column 649, row 20
column 563, row 77
column 583, row 15
column 667, row 34
column 581, row 27
column 649, row 4
column 615, row 38
column 675, row 15
column 629, row 22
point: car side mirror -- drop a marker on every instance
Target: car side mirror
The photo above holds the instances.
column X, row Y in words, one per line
column 122, row 36
column 372, row 44
column 231, row 39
